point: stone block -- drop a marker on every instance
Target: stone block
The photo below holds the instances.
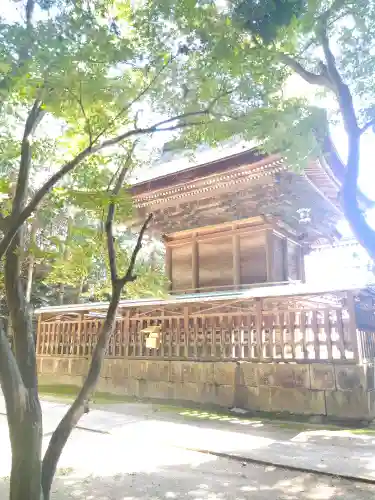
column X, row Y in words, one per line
column 117, row 372
column 60, row 379
column 190, row 371
column 175, row 371
column 247, row 374
column 297, row 401
column 224, row 373
column 79, row 366
column 371, row 403
column 155, row 389
column 370, row 376
column 206, row 372
column 194, row 371
column 266, row 374
column 350, row 377
column 286, row 375
column 138, row 369
column 62, row 366
column 301, row 376
column 349, row 404
column 189, row 391
column 322, row 376
column 223, row 395
column 46, row 365
column 253, row 398
column 157, row 371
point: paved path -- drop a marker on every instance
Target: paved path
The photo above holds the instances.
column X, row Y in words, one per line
column 333, row 452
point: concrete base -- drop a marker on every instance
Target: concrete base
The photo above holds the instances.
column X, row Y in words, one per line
column 336, row 391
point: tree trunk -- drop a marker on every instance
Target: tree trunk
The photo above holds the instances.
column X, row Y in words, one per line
column 60, row 298
column 23, row 409
column 31, row 259
column 80, row 290
column 25, row 430
column 68, row 238
column 80, row 405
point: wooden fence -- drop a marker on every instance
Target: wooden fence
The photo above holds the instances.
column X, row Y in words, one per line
column 256, row 329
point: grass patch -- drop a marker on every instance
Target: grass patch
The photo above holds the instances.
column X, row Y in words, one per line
column 69, row 392
column 194, row 412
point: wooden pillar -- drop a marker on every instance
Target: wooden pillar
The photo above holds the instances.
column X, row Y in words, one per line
column 168, row 265
column 285, row 260
column 269, row 255
column 301, row 263
column 194, row 264
column 236, row 261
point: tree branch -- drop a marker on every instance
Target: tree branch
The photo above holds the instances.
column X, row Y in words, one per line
column 136, row 99
column 29, row 10
column 80, row 405
column 80, row 103
column 16, row 222
column 355, row 216
column 129, row 276
column 111, row 214
column 321, row 79
column 367, row 125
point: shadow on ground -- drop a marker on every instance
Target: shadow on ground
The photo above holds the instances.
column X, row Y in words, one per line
column 205, row 478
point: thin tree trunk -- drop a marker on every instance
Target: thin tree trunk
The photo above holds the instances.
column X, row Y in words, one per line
column 60, row 297
column 61, row 292
column 31, row 260
column 80, row 405
column 19, row 376
column 25, row 418
column 80, row 289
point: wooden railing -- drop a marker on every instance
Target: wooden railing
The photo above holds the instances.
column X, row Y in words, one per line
column 249, row 330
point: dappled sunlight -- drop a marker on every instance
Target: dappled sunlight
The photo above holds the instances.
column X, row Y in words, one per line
column 136, row 462
column 203, row 415
column 217, row 479
column 337, row 438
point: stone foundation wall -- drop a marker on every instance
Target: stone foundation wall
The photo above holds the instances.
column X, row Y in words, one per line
column 342, row 391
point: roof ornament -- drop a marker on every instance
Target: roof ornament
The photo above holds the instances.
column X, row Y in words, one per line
column 304, row 215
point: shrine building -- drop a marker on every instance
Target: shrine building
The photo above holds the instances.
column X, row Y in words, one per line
column 240, row 326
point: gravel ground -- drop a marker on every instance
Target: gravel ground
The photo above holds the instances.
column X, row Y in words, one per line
column 177, row 474
column 130, row 465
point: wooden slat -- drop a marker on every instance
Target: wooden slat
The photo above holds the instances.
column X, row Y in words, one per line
column 291, row 326
column 187, row 331
column 303, row 332
column 314, row 326
column 353, row 325
column 327, row 329
column 259, row 326
column 340, row 331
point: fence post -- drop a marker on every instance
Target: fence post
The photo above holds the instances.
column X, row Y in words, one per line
column 353, row 325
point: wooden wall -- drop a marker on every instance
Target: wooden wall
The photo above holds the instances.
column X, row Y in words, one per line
column 230, row 258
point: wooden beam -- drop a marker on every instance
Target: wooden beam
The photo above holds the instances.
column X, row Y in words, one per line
column 301, row 256
column 236, row 260
column 248, row 231
column 285, row 259
column 269, row 255
column 194, row 264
